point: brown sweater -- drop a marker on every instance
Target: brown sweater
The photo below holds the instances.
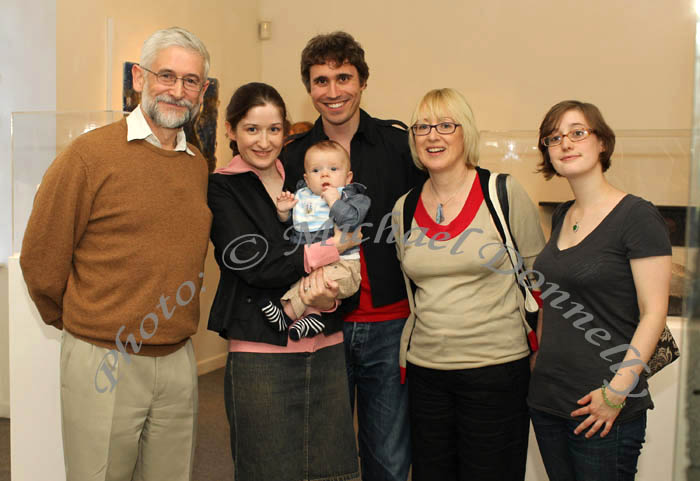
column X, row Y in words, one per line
column 117, row 238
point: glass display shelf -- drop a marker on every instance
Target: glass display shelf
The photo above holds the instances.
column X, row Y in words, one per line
column 36, row 139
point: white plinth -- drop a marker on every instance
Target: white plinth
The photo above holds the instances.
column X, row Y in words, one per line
column 35, row 405
column 657, row 459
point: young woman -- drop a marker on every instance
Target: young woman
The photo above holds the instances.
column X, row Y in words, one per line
column 607, row 269
column 286, row 401
column 465, row 346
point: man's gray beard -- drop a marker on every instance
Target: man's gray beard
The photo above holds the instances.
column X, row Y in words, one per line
column 168, row 120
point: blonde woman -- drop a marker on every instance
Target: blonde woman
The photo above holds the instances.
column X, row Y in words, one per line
column 464, row 344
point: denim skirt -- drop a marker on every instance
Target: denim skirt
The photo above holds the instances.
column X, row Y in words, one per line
column 290, row 416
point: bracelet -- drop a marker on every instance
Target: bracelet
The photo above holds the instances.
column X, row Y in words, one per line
column 609, row 403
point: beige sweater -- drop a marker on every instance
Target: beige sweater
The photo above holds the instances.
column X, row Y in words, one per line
column 117, row 238
column 465, row 315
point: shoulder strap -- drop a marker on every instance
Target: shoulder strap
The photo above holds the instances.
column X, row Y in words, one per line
column 502, row 191
column 484, row 180
column 497, row 188
column 409, row 209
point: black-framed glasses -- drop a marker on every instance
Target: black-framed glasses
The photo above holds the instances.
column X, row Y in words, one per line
column 576, row 135
column 166, row 77
column 444, row 128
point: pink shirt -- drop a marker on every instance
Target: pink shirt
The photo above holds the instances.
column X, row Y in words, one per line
column 315, row 255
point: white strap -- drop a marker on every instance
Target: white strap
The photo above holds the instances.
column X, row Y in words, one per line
column 530, row 302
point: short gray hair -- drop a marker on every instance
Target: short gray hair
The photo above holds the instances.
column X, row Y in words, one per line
column 173, row 37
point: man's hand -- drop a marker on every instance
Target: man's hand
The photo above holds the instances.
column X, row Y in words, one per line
column 330, row 195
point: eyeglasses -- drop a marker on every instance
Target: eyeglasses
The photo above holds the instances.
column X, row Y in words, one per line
column 576, row 135
column 189, row 82
column 442, row 128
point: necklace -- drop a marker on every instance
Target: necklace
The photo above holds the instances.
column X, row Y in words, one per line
column 575, row 226
column 439, row 216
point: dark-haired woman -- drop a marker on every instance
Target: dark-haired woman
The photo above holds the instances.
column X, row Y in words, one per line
column 286, row 401
column 607, row 269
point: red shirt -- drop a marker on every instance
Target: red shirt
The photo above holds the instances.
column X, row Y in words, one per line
column 366, row 312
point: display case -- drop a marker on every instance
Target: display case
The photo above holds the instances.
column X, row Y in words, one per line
column 37, row 137
column 687, row 446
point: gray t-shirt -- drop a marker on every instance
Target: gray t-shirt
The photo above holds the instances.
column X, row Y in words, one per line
column 595, row 299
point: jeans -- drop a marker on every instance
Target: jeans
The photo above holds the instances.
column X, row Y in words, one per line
column 568, row 457
column 372, row 361
column 288, row 416
column 469, row 424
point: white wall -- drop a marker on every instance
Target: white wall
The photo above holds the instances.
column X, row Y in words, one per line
column 27, row 82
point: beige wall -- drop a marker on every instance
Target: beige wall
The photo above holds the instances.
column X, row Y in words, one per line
column 511, row 59
column 228, row 29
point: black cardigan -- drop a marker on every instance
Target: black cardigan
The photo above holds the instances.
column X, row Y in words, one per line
column 254, row 259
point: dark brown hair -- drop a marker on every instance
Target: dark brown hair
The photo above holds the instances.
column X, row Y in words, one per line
column 254, row 94
column 595, row 122
column 335, row 48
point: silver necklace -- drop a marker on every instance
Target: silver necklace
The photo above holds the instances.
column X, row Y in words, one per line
column 439, row 214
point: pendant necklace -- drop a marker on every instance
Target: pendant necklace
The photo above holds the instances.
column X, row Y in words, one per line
column 575, row 226
column 439, row 216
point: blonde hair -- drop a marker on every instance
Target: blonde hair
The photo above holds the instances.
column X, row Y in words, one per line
column 448, row 102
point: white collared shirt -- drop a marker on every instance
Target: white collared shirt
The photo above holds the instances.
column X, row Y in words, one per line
column 137, row 128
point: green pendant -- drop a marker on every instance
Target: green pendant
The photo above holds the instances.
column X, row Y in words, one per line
column 575, row 227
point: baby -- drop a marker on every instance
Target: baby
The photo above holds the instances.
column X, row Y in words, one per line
column 325, row 197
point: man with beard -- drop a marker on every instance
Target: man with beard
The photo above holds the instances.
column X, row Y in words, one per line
column 113, row 255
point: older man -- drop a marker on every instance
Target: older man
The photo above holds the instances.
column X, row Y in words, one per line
column 113, row 254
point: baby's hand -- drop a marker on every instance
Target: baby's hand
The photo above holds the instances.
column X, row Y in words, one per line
column 330, row 195
column 286, row 201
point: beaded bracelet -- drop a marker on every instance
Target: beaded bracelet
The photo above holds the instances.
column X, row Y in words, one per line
column 609, row 403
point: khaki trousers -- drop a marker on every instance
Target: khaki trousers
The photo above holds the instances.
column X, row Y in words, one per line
column 140, row 429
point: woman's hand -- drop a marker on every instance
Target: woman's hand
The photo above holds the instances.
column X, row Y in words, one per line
column 316, row 291
column 599, row 413
column 346, row 240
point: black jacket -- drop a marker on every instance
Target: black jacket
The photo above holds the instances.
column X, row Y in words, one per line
column 381, row 160
column 254, row 259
